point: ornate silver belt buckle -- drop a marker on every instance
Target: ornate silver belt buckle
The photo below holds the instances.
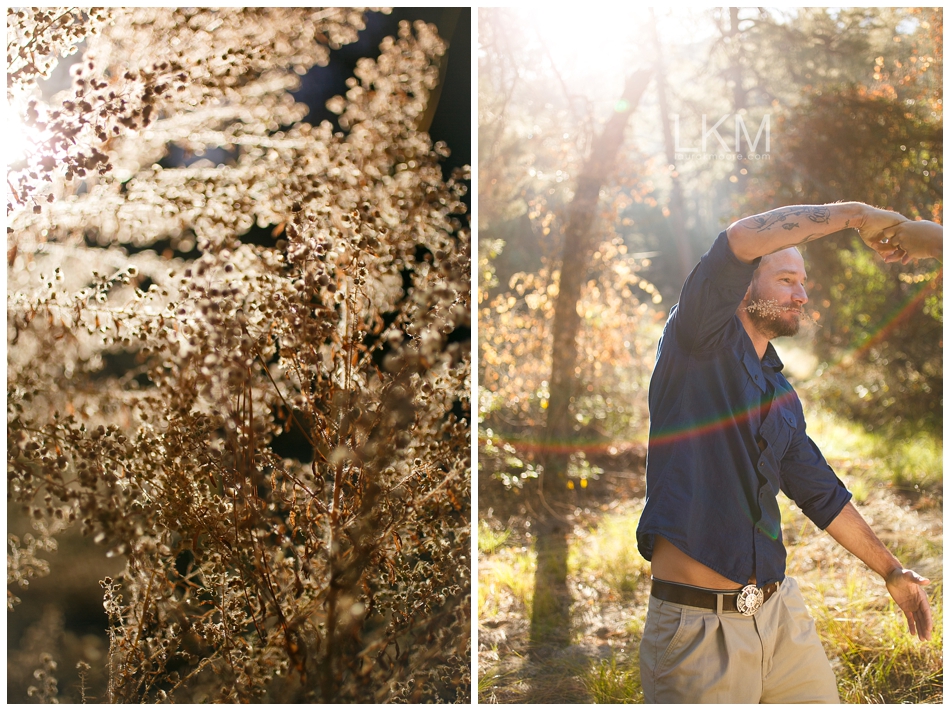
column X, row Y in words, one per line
column 749, row 600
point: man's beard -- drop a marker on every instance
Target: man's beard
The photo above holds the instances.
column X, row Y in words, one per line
column 771, row 319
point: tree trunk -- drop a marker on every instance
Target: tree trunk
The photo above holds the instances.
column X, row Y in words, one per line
column 550, row 621
column 677, row 206
column 738, row 98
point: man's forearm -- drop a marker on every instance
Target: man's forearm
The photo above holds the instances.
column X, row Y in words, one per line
column 851, row 530
column 771, row 231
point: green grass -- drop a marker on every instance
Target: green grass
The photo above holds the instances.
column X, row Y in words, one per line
column 510, row 570
column 490, row 540
column 909, row 463
column 915, row 463
column 608, row 553
column 860, row 490
column 612, row 682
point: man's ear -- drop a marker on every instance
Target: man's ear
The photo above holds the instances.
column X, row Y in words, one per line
column 748, row 294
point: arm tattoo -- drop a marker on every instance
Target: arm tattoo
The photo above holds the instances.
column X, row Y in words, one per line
column 809, row 238
column 816, row 214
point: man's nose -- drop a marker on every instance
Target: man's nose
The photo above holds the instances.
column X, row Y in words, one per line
column 800, row 297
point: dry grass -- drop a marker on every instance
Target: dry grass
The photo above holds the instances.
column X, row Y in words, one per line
column 864, row 634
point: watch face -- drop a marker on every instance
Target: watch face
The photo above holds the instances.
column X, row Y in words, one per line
column 750, row 599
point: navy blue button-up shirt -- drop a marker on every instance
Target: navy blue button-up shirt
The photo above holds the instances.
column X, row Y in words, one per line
column 727, row 432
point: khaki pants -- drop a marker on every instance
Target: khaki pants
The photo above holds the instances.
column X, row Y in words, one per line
column 691, row 655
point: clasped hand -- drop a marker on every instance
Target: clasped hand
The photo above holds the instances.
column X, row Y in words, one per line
column 897, row 239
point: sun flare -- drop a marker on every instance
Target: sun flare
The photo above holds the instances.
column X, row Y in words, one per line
column 18, row 136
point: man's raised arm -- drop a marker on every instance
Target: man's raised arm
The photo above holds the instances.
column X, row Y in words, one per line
column 771, row 231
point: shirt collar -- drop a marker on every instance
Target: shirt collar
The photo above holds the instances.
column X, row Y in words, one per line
column 771, row 359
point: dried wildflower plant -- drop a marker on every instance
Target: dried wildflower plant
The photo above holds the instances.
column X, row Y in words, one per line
column 145, row 391
column 771, row 309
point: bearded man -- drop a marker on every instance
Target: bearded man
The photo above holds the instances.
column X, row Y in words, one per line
column 727, row 432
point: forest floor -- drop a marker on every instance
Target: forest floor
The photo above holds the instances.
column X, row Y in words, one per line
column 864, row 634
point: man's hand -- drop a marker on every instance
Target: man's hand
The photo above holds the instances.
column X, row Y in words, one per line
column 851, row 530
column 905, row 587
column 914, row 239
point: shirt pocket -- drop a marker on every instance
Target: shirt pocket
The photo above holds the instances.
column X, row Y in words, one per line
column 784, row 431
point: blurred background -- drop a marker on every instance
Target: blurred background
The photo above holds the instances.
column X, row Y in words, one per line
column 597, row 195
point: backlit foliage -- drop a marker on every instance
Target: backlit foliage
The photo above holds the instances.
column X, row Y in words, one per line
column 534, row 137
column 155, row 356
column 615, row 347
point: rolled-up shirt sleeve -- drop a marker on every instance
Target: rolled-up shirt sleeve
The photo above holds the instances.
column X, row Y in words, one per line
column 808, row 480
column 711, row 295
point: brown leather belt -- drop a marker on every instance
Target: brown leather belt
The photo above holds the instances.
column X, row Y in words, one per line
column 748, row 600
